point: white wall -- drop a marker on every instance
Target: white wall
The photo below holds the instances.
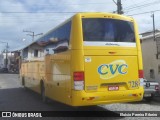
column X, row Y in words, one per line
column 31, row 52
column 149, row 51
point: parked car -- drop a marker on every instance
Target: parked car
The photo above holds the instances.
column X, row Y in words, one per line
column 151, row 89
column 3, row 70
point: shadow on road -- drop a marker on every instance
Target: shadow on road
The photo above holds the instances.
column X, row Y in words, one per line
column 20, row 99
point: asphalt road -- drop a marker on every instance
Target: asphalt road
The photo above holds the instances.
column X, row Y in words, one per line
column 13, row 97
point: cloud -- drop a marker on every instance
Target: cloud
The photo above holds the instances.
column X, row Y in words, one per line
column 32, row 15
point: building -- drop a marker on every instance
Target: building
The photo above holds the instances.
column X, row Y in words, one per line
column 33, row 52
column 14, row 62
column 28, row 53
column 151, row 55
column 1, row 61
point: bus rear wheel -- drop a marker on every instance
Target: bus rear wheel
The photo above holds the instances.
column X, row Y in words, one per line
column 23, row 82
column 43, row 94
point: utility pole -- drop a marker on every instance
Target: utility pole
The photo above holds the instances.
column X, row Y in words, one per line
column 6, row 61
column 119, row 6
column 32, row 34
column 7, row 55
column 154, row 37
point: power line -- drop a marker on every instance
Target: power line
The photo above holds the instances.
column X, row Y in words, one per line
column 38, row 12
column 144, row 12
column 61, row 4
column 136, row 4
column 32, row 34
column 142, row 6
column 31, row 18
column 16, row 12
column 41, row 21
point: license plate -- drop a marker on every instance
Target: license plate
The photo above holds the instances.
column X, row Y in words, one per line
column 147, row 95
column 112, row 88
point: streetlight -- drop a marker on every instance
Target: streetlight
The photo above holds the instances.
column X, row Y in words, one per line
column 6, row 52
column 32, row 34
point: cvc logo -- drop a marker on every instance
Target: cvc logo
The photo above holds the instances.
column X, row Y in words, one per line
column 113, row 69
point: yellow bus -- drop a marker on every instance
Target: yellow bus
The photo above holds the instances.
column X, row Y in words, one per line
column 90, row 59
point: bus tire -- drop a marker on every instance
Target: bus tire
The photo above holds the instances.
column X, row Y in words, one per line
column 43, row 94
column 23, row 82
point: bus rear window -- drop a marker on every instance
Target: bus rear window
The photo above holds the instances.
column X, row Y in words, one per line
column 107, row 30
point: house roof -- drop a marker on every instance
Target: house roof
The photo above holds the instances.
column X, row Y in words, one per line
column 149, row 34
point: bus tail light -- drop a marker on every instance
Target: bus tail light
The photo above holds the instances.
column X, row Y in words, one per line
column 141, row 74
column 141, row 77
column 78, row 78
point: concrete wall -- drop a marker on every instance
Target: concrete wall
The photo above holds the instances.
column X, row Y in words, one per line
column 149, row 51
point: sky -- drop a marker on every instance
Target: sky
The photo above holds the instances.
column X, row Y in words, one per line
column 40, row 16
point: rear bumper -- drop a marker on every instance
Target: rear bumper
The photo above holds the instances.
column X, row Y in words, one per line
column 82, row 98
